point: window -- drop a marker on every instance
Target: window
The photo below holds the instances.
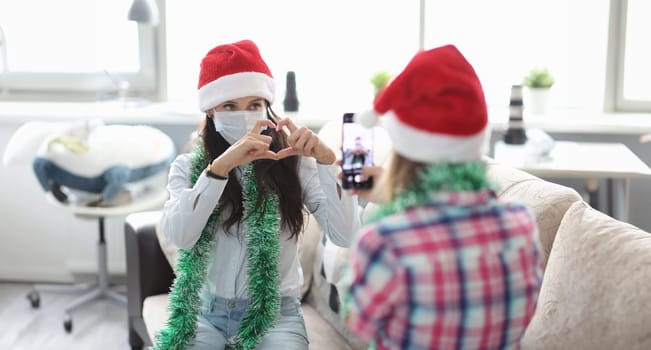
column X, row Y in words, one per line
column 629, row 69
column 334, row 47
column 504, row 39
column 74, row 49
column 84, row 49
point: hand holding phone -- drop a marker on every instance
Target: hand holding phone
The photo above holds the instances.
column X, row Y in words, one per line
column 357, row 153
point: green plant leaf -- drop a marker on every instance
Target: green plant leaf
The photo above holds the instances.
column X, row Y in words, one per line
column 380, row 80
column 539, row 78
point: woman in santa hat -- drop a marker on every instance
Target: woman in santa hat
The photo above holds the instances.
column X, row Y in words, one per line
column 236, row 209
column 443, row 264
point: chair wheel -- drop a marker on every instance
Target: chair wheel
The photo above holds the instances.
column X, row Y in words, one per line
column 67, row 325
column 34, row 299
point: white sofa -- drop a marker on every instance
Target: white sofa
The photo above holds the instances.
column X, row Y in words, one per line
column 594, row 295
column 597, row 277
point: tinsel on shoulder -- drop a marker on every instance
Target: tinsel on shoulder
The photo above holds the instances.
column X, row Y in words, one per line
column 190, row 275
column 264, row 249
column 452, row 177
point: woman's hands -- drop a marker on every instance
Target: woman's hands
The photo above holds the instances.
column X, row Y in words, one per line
column 372, row 195
column 249, row 148
column 303, row 141
column 253, row 146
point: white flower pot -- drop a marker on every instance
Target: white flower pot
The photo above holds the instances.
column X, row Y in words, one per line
column 536, row 101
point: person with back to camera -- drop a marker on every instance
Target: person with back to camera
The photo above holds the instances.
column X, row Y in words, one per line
column 442, row 263
column 236, row 208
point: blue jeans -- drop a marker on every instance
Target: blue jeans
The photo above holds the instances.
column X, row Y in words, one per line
column 217, row 326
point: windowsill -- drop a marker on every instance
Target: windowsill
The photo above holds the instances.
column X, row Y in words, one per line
column 131, row 112
column 578, row 121
column 139, row 112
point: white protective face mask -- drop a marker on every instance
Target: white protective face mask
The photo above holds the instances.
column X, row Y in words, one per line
column 234, row 125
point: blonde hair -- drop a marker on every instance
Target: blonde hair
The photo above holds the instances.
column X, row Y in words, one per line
column 401, row 173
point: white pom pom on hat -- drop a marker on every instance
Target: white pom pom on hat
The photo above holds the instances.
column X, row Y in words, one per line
column 367, row 118
column 434, row 110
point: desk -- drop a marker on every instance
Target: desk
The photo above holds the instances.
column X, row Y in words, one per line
column 103, row 289
column 586, row 160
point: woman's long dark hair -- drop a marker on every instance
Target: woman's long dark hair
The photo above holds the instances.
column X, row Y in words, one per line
column 273, row 176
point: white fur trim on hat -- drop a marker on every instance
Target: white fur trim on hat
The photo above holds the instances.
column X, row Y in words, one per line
column 234, row 86
column 430, row 147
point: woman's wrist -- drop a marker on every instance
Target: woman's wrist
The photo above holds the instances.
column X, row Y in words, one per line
column 218, row 168
column 328, row 158
column 213, row 175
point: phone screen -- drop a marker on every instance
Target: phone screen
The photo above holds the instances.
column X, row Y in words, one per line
column 357, row 151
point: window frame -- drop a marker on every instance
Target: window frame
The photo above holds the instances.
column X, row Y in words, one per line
column 614, row 99
column 149, row 82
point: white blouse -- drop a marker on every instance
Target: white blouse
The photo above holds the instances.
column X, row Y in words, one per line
column 187, row 210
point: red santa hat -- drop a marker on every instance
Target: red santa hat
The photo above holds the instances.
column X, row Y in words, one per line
column 434, row 110
column 233, row 71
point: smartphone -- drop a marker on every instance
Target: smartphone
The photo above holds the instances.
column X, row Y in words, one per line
column 356, row 152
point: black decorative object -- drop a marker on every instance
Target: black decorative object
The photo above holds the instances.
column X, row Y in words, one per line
column 290, row 104
column 515, row 134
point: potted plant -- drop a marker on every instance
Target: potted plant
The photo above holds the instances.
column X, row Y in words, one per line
column 538, row 82
column 379, row 80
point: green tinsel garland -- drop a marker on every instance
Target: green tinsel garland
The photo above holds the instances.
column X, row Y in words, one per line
column 452, row 177
column 264, row 252
column 264, row 249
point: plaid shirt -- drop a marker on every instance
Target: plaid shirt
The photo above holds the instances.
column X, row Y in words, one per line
column 460, row 272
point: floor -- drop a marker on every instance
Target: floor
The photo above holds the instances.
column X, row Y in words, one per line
column 99, row 325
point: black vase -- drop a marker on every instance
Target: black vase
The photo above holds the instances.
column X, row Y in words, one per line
column 290, row 104
column 515, row 134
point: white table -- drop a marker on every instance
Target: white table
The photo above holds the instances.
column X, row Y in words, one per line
column 586, row 160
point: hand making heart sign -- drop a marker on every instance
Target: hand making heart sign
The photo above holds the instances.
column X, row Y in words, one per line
column 302, row 141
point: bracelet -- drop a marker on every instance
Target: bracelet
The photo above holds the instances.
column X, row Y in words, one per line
column 215, row 176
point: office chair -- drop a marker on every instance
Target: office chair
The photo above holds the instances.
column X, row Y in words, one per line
column 103, row 289
column 105, row 162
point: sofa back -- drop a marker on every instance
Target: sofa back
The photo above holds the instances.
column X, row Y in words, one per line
column 597, row 286
column 546, row 200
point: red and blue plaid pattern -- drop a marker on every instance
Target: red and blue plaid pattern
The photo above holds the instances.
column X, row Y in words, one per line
column 461, row 272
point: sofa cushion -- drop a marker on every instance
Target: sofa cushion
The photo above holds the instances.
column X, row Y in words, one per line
column 155, row 313
column 324, row 294
column 597, row 286
column 328, row 279
column 320, row 333
column 547, row 201
column 307, row 245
